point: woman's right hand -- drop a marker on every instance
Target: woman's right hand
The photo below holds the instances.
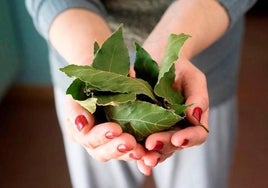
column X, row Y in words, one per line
column 104, row 141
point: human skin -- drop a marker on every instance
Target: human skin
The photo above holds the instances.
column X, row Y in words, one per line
column 73, row 33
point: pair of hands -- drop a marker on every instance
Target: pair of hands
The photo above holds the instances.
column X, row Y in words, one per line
column 106, row 141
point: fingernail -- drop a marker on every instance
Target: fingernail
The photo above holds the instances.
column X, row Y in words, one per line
column 133, row 156
column 185, row 142
column 158, row 146
column 123, row 148
column 80, row 122
column 110, row 135
column 197, row 113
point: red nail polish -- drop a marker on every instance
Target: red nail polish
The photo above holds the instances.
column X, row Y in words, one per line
column 80, row 122
column 158, row 146
column 197, row 113
column 123, row 148
column 133, row 156
column 185, row 142
column 110, row 135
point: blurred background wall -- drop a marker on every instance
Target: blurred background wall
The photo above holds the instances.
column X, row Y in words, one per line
column 23, row 52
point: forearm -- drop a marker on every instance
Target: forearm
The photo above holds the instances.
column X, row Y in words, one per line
column 74, row 32
column 204, row 20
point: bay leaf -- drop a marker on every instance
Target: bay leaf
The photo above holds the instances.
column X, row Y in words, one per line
column 145, row 67
column 109, row 81
column 114, row 99
column 113, row 55
column 90, row 104
column 179, row 109
column 141, row 118
column 76, row 90
column 164, row 87
column 91, row 99
column 105, row 89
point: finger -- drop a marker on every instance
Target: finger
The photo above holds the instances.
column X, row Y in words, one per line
column 135, row 154
column 148, row 162
column 190, row 136
column 198, row 112
column 69, row 129
column 151, row 158
column 192, row 82
column 161, row 142
column 196, row 93
column 146, row 170
column 132, row 72
column 79, row 117
column 114, row 149
column 101, row 134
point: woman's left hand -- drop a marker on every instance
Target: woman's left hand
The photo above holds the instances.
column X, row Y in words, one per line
column 191, row 82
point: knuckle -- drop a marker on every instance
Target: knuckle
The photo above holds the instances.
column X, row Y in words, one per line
column 88, row 145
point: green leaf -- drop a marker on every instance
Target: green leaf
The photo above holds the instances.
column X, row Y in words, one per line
column 115, row 99
column 89, row 104
column 179, row 108
column 145, row 67
column 174, row 45
column 164, row 87
column 109, row 81
column 105, row 89
column 96, row 48
column 113, row 55
column 141, row 118
column 76, row 89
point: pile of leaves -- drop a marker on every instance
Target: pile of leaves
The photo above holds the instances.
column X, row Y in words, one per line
column 142, row 105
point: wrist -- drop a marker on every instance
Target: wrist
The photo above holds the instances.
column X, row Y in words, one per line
column 74, row 32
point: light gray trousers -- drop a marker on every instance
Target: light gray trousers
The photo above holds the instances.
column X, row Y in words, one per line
column 204, row 166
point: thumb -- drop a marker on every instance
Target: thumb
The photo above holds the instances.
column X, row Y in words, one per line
column 80, row 119
column 192, row 82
